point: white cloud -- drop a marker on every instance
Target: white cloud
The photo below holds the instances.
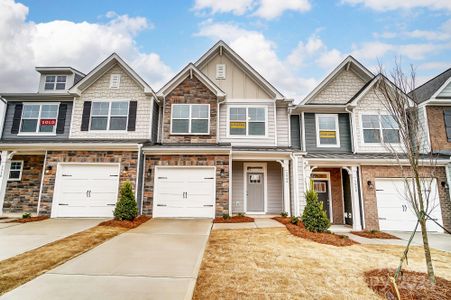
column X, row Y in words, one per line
column 441, row 34
column 330, row 59
column 306, row 50
column 24, row 45
column 384, row 5
column 270, row 9
column 261, row 54
column 266, row 9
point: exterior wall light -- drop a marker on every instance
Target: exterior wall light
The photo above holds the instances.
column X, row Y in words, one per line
column 48, row 169
column 222, row 173
column 370, row 184
column 444, row 185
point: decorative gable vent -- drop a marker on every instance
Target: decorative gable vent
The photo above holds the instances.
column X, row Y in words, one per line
column 220, row 71
column 115, row 81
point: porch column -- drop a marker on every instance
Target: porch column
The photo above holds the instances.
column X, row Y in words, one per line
column 286, row 185
column 5, row 165
column 356, row 221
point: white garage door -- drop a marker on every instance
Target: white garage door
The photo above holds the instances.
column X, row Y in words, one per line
column 394, row 209
column 187, row 192
column 86, row 190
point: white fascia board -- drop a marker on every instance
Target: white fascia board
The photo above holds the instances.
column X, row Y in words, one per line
column 184, row 150
column 259, row 155
column 369, row 162
column 68, row 146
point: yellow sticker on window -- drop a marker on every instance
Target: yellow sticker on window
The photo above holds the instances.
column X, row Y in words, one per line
column 238, row 125
column 327, row 134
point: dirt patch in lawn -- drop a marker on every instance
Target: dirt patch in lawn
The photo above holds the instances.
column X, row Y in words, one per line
column 411, row 285
column 271, row 263
column 319, row 237
column 234, row 219
column 30, row 219
column 375, row 235
column 19, row 269
column 126, row 224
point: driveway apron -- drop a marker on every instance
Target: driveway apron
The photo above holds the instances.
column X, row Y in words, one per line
column 158, row 260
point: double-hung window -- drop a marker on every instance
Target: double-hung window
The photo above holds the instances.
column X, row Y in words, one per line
column 15, row 171
column 55, row 82
column 247, row 121
column 39, row 118
column 109, row 115
column 379, row 129
column 190, row 119
column 327, row 132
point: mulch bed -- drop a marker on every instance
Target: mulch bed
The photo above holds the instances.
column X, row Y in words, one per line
column 234, row 219
column 375, row 235
column 126, row 224
column 411, row 285
column 319, row 237
column 31, row 219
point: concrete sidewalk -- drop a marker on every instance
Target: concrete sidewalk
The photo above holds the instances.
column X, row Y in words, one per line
column 258, row 223
column 158, row 260
column 16, row 238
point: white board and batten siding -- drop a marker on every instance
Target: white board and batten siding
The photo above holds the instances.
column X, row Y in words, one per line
column 282, row 120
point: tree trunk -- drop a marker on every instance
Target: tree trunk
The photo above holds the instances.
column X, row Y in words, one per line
column 427, row 250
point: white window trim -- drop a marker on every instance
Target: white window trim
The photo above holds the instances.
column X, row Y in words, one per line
column 264, row 167
column 56, row 81
column 111, row 81
column 53, row 133
column 337, row 130
column 190, row 118
column 380, row 129
column 21, row 170
column 331, row 212
column 109, row 115
column 247, row 136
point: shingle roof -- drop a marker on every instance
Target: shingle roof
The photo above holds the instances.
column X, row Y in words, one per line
column 425, row 91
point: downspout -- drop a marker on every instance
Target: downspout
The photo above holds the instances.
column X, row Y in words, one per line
column 162, row 120
column 275, row 124
column 139, row 178
column 42, row 183
column 218, row 118
column 359, row 180
column 230, row 182
column 295, row 185
column 352, row 129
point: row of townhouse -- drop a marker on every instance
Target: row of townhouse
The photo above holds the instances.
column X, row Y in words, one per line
column 218, row 138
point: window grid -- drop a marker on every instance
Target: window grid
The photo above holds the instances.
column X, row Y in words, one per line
column 201, row 113
column 15, row 170
column 55, row 82
column 251, row 116
column 325, row 124
column 44, row 111
column 108, row 111
column 383, row 125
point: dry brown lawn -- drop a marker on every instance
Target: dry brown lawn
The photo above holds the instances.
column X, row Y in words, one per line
column 19, row 269
column 273, row 264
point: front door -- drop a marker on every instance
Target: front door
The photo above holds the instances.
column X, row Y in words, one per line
column 255, row 193
column 322, row 189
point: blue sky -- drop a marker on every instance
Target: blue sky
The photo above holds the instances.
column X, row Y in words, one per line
column 293, row 43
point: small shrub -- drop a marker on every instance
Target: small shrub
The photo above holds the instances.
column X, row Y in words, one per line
column 294, row 220
column 26, row 216
column 225, row 216
column 284, row 214
column 314, row 217
column 373, row 231
column 241, row 214
column 126, row 207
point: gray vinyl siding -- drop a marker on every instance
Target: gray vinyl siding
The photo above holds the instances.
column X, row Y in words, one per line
column 155, row 121
column 310, row 134
column 275, row 188
column 295, row 131
column 7, row 135
column 446, row 92
column 282, row 126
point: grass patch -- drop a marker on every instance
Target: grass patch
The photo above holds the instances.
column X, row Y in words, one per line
column 375, row 234
column 234, row 219
column 319, row 237
column 21, row 268
column 271, row 263
column 30, row 219
column 411, row 285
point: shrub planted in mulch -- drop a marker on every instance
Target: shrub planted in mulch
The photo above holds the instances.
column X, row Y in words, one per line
column 234, row 219
column 126, row 223
column 30, row 219
column 375, row 234
column 319, row 237
column 411, row 285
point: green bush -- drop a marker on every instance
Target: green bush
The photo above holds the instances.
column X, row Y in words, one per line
column 314, row 217
column 284, row 214
column 126, row 207
column 241, row 214
column 294, row 220
column 26, row 216
column 225, row 216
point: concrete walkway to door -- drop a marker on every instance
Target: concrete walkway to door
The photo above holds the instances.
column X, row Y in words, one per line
column 158, row 260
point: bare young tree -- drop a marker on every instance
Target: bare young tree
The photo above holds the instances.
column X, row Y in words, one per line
column 417, row 165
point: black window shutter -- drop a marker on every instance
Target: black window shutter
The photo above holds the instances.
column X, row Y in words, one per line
column 86, row 115
column 61, row 118
column 16, row 118
column 132, row 116
column 447, row 116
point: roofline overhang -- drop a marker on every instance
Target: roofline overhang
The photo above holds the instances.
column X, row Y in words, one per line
column 185, row 150
column 69, row 146
column 372, row 162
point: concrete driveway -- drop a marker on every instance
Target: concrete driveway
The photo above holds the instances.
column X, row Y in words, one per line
column 440, row 241
column 16, row 238
column 158, row 260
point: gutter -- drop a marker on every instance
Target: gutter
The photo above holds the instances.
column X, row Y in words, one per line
column 139, row 178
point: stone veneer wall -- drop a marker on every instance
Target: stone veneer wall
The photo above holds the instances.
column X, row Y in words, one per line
column 222, row 183
column 369, row 196
column 23, row 196
column 336, row 193
column 127, row 159
column 192, row 91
